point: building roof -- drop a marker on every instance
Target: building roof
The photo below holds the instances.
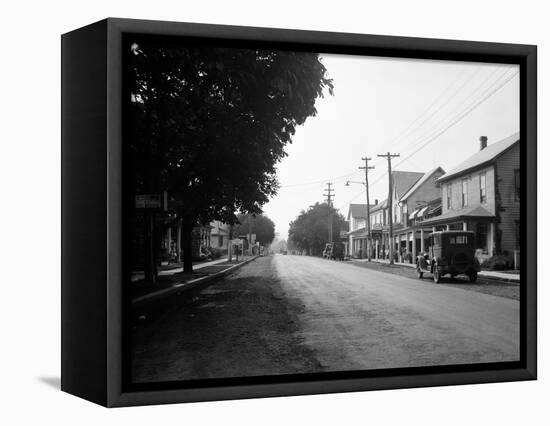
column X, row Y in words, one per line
column 359, row 231
column 420, row 182
column 381, row 205
column 358, row 211
column 482, row 157
column 403, row 181
column 476, row 212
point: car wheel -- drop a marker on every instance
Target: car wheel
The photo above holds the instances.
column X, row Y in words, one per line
column 473, row 277
column 437, row 275
column 419, row 272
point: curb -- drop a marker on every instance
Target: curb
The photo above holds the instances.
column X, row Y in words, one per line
column 179, row 287
column 482, row 274
column 494, row 278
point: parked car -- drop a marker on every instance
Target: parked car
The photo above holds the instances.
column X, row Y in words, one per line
column 450, row 252
column 334, row 251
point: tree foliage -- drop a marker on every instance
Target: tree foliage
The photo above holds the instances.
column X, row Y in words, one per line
column 261, row 225
column 309, row 231
column 208, row 125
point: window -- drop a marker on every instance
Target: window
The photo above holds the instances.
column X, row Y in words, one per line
column 482, row 188
column 482, row 231
column 464, row 192
column 516, row 184
column 449, row 195
column 459, row 240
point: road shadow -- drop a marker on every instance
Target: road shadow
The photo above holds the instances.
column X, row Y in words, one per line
column 54, row 382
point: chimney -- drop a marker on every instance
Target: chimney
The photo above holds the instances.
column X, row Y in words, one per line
column 482, row 143
column 375, row 202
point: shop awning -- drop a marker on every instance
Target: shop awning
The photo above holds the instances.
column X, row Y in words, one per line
column 422, row 211
column 414, row 213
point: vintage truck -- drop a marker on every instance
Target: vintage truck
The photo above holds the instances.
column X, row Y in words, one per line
column 334, row 251
column 449, row 252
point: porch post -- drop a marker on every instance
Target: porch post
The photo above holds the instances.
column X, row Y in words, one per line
column 422, row 248
column 168, row 238
column 491, row 239
column 464, row 226
column 414, row 246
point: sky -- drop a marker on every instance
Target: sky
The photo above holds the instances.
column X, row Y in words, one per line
column 430, row 112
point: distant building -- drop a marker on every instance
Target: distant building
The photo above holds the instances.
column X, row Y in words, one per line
column 418, row 201
column 482, row 194
column 357, row 235
column 403, row 182
column 412, row 191
column 219, row 235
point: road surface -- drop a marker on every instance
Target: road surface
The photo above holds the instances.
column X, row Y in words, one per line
column 294, row 314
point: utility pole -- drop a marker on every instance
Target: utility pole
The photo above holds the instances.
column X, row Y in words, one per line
column 390, row 201
column 329, row 196
column 366, row 167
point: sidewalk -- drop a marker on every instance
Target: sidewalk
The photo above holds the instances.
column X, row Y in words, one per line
column 177, row 267
column 175, row 280
column 502, row 276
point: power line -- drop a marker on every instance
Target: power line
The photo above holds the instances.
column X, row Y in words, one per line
column 476, row 92
column 432, row 104
column 454, row 94
column 436, row 100
column 458, row 119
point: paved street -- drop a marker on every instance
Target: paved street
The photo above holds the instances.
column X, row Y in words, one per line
column 288, row 314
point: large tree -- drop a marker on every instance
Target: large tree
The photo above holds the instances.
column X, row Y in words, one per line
column 261, row 225
column 309, row 231
column 208, row 125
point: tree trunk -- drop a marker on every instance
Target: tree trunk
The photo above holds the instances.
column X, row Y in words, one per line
column 150, row 267
column 187, row 247
column 230, row 245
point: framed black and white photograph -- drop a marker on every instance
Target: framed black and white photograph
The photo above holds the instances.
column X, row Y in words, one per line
column 269, row 212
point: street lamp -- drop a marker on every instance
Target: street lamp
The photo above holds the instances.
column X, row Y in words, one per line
column 353, row 181
column 367, row 222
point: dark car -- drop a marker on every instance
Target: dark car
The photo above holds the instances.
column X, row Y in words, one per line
column 450, row 252
column 334, row 251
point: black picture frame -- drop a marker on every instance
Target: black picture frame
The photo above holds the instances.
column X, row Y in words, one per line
column 92, row 215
